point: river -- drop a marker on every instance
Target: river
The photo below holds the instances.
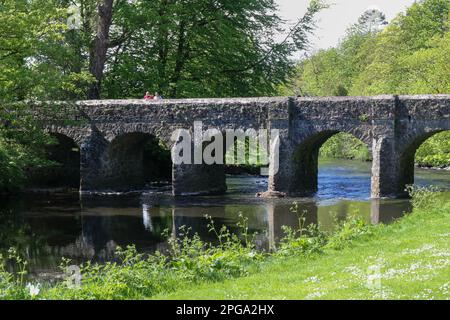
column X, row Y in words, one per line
column 46, row 228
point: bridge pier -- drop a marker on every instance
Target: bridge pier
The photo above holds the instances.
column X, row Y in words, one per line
column 388, row 178
column 297, row 170
column 91, row 152
column 286, row 175
column 110, row 167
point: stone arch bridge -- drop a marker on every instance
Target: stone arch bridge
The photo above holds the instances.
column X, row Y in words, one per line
column 109, row 135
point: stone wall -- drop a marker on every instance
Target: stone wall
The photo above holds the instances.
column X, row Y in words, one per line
column 391, row 126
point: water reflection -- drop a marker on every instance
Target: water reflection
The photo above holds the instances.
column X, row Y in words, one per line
column 46, row 233
column 45, row 229
column 146, row 218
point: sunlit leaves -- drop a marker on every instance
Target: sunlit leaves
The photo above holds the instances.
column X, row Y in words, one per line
column 410, row 56
column 205, row 49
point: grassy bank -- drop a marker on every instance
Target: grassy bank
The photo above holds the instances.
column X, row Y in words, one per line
column 411, row 259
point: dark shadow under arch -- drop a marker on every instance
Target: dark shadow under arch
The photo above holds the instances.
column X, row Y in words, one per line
column 64, row 171
column 136, row 160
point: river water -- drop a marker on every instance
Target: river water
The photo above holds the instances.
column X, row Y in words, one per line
column 46, row 228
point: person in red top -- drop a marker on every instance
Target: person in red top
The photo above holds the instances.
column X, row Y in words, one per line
column 148, row 96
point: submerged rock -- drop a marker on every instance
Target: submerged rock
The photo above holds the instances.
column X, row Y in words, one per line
column 271, row 194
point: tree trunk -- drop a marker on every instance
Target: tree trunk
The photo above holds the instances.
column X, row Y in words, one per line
column 163, row 41
column 99, row 47
column 181, row 57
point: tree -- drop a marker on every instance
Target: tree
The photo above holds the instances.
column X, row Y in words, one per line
column 321, row 76
column 331, row 72
column 206, row 48
column 181, row 47
column 409, row 56
column 21, row 145
column 25, row 28
column 35, row 60
column 31, row 55
column 398, row 60
column 372, row 20
column 100, row 46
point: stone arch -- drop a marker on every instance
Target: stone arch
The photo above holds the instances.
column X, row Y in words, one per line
column 407, row 156
column 64, row 172
column 306, row 159
column 361, row 131
column 133, row 160
column 158, row 131
column 77, row 134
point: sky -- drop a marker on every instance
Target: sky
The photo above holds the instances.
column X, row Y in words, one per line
column 333, row 22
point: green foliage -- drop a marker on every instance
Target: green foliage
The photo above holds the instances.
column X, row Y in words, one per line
column 245, row 157
column 409, row 56
column 12, row 285
column 204, row 49
column 21, row 145
column 423, row 197
column 303, row 240
column 33, row 57
column 435, row 152
column 11, row 174
column 345, row 146
column 352, row 228
column 310, row 241
column 34, row 64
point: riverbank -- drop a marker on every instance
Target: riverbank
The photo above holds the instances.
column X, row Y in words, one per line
column 443, row 167
column 411, row 256
column 409, row 259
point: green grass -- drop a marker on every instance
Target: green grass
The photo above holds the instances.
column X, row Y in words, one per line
column 413, row 256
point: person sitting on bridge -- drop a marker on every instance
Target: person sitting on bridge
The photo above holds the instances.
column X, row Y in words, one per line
column 157, row 96
column 148, row 96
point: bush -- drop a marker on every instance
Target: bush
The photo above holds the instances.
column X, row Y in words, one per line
column 423, row 197
column 350, row 229
column 188, row 260
column 11, row 173
column 12, row 286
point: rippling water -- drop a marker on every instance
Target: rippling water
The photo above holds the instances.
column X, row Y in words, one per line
column 47, row 228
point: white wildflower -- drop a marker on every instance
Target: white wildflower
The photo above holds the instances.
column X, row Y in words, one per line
column 314, row 295
column 313, row 279
column 33, row 289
